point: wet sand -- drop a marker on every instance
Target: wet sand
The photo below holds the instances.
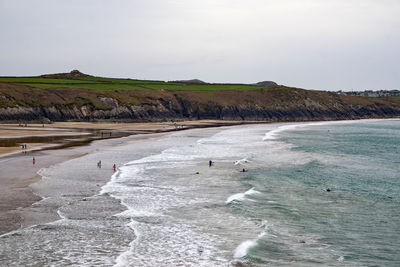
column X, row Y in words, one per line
column 61, row 127
column 65, row 134
column 16, row 139
column 18, row 172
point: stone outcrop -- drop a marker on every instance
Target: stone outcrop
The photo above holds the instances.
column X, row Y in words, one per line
column 266, row 83
column 69, row 75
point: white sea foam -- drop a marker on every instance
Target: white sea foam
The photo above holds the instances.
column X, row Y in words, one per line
column 142, row 187
column 107, row 188
column 237, row 197
column 243, row 248
column 134, row 187
column 251, row 191
column 131, row 213
column 62, row 216
column 122, row 259
column 150, row 191
column 273, row 134
column 241, row 161
column 241, row 196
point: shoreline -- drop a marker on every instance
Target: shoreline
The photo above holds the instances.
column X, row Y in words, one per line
column 84, row 133
column 55, row 136
column 19, row 175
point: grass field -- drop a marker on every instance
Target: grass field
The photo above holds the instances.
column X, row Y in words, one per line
column 74, row 95
column 113, row 84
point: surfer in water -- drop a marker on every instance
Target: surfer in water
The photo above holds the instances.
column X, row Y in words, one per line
column 244, row 170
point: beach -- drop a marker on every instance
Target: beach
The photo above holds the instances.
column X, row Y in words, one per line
column 67, row 181
column 18, row 172
column 165, row 206
column 60, row 134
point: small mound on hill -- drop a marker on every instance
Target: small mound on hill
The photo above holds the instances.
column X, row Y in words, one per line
column 72, row 74
column 266, row 83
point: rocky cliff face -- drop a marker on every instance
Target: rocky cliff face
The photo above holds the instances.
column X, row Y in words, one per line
column 274, row 104
column 186, row 110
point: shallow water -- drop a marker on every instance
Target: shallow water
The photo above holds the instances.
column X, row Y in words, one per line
column 176, row 210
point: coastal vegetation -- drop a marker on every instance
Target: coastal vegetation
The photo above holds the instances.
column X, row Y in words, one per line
column 78, row 96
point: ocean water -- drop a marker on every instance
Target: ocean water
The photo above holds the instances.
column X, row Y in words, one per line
column 178, row 211
column 279, row 212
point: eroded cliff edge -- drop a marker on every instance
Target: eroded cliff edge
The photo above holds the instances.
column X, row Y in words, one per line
column 272, row 103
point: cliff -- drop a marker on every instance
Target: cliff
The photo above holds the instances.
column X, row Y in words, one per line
column 274, row 103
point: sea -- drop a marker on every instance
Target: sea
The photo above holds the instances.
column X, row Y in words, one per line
column 290, row 194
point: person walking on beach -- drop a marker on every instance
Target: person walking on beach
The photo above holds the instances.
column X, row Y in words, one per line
column 210, row 163
column 114, row 167
column 33, row 160
column 99, row 164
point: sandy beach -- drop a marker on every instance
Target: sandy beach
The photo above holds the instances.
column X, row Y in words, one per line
column 41, row 136
column 19, row 173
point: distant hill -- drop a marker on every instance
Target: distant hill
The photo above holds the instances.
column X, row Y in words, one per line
column 197, row 81
column 81, row 97
column 69, row 75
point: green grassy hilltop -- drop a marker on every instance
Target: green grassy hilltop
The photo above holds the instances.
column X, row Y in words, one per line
column 110, row 84
column 77, row 96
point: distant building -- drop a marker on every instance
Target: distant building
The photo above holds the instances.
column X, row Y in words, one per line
column 371, row 93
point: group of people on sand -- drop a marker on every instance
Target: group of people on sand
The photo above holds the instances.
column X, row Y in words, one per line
column 99, row 165
column 24, row 148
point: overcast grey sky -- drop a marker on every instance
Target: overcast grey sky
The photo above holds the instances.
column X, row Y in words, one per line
column 314, row 44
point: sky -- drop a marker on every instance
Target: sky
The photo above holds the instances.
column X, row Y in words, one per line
column 313, row 44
